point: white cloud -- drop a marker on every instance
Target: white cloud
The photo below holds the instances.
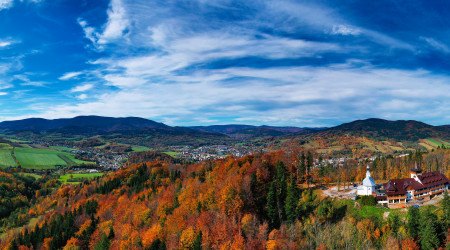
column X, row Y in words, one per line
column 34, row 83
column 117, row 22
column 4, row 44
column 436, row 44
column 82, row 96
column 70, row 75
column 3, row 93
column 302, row 96
column 345, row 30
column 113, row 30
column 82, row 88
column 169, row 79
column 5, row 4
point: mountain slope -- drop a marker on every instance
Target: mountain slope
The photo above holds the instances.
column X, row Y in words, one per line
column 83, row 123
column 248, row 131
column 408, row 130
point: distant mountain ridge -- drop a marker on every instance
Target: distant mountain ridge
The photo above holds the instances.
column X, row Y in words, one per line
column 135, row 128
column 248, row 131
column 409, row 130
column 84, row 123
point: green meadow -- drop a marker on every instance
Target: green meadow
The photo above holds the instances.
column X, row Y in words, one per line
column 37, row 158
column 76, row 178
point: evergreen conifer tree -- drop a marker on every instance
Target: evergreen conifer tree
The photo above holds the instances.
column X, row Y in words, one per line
column 413, row 222
column 291, row 202
column 103, row 243
column 272, row 210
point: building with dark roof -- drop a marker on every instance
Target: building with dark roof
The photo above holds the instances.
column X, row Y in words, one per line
column 419, row 187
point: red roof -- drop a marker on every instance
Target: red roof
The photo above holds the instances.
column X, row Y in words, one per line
column 399, row 186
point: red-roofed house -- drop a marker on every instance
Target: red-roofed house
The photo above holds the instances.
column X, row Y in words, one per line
column 419, row 187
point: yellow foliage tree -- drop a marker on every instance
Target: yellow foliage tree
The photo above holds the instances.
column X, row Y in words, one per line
column 187, row 238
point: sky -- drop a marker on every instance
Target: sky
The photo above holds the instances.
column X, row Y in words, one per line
column 201, row 62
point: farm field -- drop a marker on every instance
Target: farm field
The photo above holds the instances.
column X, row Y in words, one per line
column 6, row 159
column 44, row 158
column 139, row 149
column 36, row 176
column 65, row 178
column 170, row 153
column 437, row 142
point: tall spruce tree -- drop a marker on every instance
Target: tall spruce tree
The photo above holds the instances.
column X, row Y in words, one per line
column 272, row 209
column 413, row 222
column 291, row 202
column 281, row 185
column 446, row 211
column 103, row 243
column 429, row 238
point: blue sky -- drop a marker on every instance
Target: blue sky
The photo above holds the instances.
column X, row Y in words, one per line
column 196, row 62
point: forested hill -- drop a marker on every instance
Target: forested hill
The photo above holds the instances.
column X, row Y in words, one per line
column 402, row 130
column 254, row 202
column 81, row 123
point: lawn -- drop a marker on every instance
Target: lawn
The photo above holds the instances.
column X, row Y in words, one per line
column 43, row 158
column 6, row 160
column 76, row 178
column 140, row 149
column 36, row 176
column 171, row 153
column 5, row 146
column 369, row 211
column 437, row 141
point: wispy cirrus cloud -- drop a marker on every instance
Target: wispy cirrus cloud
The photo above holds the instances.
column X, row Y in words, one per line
column 82, row 88
column 439, row 46
column 70, row 75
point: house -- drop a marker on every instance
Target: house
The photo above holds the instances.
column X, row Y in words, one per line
column 421, row 186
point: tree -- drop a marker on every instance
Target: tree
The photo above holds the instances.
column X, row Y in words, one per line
column 281, row 186
column 394, row 222
column 111, row 233
column 325, row 211
column 428, row 234
column 272, row 209
column 413, row 222
column 103, row 243
column 198, row 241
column 291, row 202
column 309, row 164
column 446, row 210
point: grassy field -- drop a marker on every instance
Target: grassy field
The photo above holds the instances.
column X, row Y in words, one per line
column 6, row 159
column 66, row 178
column 437, row 142
column 173, row 154
column 369, row 211
column 62, row 148
column 140, row 149
column 31, row 223
column 36, row 176
column 44, row 158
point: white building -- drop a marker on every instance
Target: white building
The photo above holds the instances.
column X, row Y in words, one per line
column 368, row 186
